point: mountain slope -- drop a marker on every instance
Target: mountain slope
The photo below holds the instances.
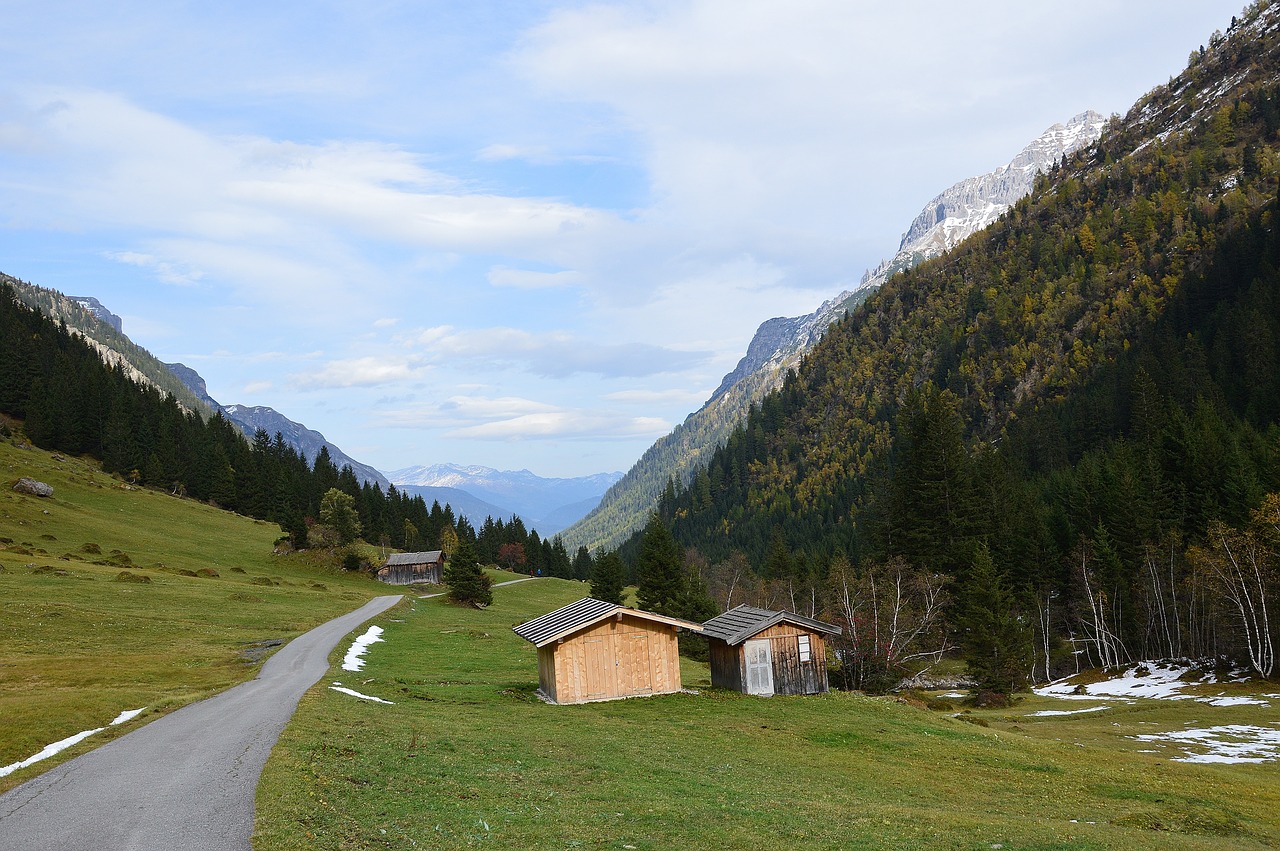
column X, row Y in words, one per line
column 780, row 344
column 1149, row 254
column 88, row 319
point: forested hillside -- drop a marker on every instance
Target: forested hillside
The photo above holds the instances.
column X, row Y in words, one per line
column 64, row 397
column 1088, row 391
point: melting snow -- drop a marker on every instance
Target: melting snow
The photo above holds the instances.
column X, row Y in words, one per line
column 1229, row 743
column 353, row 661
column 62, row 745
column 340, row 687
column 1155, row 680
column 1044, row 712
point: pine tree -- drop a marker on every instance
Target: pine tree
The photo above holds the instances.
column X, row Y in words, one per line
column 606, row 578
column 468, row 584
column 992, row 635
column 659, row 573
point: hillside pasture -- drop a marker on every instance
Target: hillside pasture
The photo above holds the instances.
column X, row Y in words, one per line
column 458, row 751
column 115, row 598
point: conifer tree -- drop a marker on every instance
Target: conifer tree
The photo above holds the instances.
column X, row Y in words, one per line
column 606, row 578
column 658, row 570
column 468, row 584
column 992, row 635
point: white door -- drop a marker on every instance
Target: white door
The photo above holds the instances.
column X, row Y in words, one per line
column 759, row 667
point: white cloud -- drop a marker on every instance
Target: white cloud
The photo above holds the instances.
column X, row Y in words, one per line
column 170, row 273
column 515, row 418
column 524, row 279
column 552, row 354
column 358, row 372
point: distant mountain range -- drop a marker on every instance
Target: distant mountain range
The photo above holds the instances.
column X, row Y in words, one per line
column 548, row 505
column 780, row 344
column 250, row 418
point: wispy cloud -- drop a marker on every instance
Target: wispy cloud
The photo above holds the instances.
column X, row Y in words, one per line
column 359, row 372
column 515, row 418
column 555, row 354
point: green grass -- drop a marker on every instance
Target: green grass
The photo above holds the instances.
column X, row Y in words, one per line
column 78, row 646
column 468, row 756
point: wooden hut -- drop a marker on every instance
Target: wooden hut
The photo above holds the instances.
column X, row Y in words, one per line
column 759, row 651
column 592, row 650
column 407, row 568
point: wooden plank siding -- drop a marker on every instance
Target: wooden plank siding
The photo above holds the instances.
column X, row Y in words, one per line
column 407, row 574
column 619, row 657
column 790, row 675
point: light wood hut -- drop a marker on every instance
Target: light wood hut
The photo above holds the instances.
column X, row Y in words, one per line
column 759, row 651
column 592, row 650
column 407, row 568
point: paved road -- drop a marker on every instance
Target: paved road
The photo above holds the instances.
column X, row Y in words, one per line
column 186, row 780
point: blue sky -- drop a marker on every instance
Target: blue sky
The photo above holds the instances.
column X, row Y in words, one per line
column 518, row 234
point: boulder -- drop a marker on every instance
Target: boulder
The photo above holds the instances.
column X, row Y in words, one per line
column 31, row 486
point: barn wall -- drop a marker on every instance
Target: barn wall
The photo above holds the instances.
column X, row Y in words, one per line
column 547, row 671
column 790, row 675
column 617, row 658
column 406, row 574
column 727, row 665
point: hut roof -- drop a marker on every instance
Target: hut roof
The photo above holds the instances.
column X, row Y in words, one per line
column 588, row 611
column 413, row 558
column 737, row 625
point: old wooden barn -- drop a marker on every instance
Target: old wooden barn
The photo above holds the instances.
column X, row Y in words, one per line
column 759, row 651
column 593, row 650
column 407, row 568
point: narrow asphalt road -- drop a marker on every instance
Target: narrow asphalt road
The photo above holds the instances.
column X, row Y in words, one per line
column 184, row 781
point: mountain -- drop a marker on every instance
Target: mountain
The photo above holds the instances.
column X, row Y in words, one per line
column 540, row 502
column 87, row 317
column 780, row 344
column 101, row 329
column 251, row 418
column 463, row 504
column 1068, row 422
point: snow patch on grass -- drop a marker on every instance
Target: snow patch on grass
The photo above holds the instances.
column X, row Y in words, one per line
column 63, row 744
column 1154, row 681
column 354, row 660
column 1046, row 712
column 1228, row 743
column 340, row 687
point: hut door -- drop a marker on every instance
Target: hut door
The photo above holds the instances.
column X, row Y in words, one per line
column 759, row 667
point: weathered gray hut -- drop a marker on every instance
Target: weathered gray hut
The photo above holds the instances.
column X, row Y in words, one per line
column 759, row 651
column 407, row 568
column 592, row 650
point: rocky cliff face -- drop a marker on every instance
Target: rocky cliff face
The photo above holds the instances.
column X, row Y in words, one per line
column 781, row 343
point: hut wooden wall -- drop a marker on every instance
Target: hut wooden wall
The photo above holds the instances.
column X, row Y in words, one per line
column 790, row 675
column 727, row 665
column 615, row 658
column 406, row 574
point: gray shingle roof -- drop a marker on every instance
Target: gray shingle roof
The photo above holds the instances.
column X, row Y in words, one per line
column 412, row 558
column 587, row 611
column 737, row 625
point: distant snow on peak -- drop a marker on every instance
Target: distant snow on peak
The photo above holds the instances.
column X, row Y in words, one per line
column 972, row 204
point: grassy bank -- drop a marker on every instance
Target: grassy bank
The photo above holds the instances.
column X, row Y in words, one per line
column 115, row 598
column 467, row 756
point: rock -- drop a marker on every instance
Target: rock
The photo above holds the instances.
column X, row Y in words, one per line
column 31, row 486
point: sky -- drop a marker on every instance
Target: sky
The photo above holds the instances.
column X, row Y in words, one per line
column 524, row 235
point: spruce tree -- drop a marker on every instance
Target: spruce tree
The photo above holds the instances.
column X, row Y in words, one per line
column 992, row 635
column 658, row 570
column 606, row 578
column 468, row 584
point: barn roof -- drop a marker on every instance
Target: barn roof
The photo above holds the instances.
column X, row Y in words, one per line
column 737, row 625
column 584, row 613
column 413, row 558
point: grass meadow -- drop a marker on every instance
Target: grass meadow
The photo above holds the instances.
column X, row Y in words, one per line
column 468, row 756
column 78, row 645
